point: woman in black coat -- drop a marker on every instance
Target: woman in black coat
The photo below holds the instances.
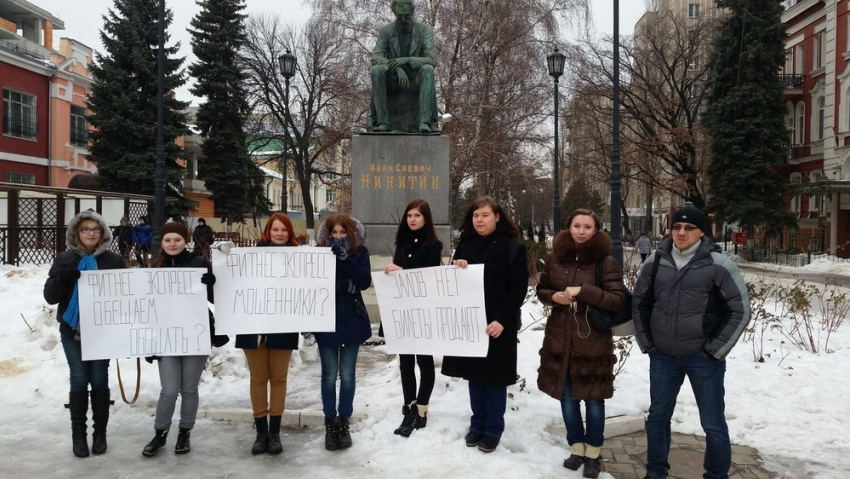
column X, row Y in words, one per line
column 489, row 237
column 268, row 357
column 417, row 246
column 87, row 240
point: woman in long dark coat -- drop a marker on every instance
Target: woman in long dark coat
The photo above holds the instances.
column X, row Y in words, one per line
column 577, row 362
column 489, row 237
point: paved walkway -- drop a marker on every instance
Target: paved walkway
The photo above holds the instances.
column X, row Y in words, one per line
column 624, row 458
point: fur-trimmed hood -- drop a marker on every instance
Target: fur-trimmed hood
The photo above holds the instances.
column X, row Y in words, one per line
column 322, row 233
column 596, row 248
column 71, row 232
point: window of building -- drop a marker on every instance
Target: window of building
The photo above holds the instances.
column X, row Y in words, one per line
column 794, row 206
column 815, row 199
column 79, row 127
column 818, row 49
column 693, row 10
column 20, row 178
column 798, row 59
column 800, row 126
column 19, row 114
column 694, row 63
column 330, row 195
column 821, row 117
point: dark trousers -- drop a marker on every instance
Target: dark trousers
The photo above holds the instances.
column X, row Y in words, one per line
column 408, row 377
column 488, row 409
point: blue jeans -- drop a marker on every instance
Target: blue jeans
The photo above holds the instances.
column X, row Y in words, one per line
column 666, row 374
column 83, row 373
column 488, row 405
column 341, row 363
column 571, row 410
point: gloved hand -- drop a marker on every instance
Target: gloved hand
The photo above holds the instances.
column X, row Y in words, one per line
column 225, row 247
column 309, row 339
column 708, row 355
column 340, row 248
column 151, row 359
column 208, row 279
column 70, row 275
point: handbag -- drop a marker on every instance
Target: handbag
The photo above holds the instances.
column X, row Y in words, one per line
column 603, row 321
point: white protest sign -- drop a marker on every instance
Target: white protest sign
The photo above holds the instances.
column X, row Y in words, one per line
column 437, row 311
column 274, row 290
column 143, row 312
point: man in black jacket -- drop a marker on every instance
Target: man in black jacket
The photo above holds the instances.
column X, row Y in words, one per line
column 203, row 236
column 687, row 319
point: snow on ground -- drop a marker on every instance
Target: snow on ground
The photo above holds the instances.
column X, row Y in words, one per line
column 791, row 410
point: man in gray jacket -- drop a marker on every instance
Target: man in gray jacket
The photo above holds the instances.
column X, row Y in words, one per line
column 688, row 319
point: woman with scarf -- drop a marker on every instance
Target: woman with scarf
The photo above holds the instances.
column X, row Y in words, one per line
column 417, row 246
column 180, row 374
column 577, row 362
column 87, row 240
column 268, row 357
column 488, row 237
column 338, row 349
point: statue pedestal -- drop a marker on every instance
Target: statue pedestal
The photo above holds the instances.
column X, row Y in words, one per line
column 387, row 172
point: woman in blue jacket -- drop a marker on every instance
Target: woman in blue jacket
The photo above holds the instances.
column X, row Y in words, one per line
column 87, row 241
column 338, row 350
column 268, row 357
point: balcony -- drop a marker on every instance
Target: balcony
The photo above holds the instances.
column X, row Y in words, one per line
column 793, row 84
column 796, row 152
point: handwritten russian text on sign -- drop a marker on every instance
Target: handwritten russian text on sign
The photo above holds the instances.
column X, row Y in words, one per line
column 143, row 312
column 437, row 311
column 274, row 290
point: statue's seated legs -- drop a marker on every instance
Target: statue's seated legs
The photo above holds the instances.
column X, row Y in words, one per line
column 385, row 87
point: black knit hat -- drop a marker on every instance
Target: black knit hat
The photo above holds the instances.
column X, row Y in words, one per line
column 690, row 214
column 174, row 227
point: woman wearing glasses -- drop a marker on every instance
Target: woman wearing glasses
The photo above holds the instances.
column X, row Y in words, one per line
column 87, row 242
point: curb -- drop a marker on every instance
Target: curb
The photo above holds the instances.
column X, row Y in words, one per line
column 614, row 426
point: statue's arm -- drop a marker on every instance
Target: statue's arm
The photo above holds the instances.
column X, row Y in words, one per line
column 382, row 46
column 428, row 49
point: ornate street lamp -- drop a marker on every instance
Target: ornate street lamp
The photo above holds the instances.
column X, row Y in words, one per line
column 555, row 60
column 616, row 221
column 288, row 63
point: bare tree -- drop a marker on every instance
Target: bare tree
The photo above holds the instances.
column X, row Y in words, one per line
column 325, row 98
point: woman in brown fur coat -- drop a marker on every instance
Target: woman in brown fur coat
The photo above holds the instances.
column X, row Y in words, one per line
column 576, row 362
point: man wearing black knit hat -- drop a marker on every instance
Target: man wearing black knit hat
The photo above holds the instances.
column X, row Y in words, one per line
column 690, row 307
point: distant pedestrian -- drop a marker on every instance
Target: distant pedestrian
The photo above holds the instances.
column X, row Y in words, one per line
column 123, row 234
column 204, row 237
column 689, row 310
column 643, row 247
column 417, row 246
column 143, row 234
column 488, row 237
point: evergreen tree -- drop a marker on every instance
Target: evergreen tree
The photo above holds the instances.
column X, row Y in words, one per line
column 745, row 117
column 123, row 105
column 236, row 183
column 579, row 194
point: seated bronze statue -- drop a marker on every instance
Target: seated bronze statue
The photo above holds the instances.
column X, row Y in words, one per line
column 403, row 61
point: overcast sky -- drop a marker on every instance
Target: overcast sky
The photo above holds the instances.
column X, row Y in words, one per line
column 82, row 23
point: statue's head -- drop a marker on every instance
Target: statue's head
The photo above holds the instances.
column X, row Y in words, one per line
column 403, row 10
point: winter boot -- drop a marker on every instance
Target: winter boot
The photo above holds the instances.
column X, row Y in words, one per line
column 344, row 433
column 78, row 404
column 261, row 443
column 275, row 447
column 156, row 443
column 405, row 428
column 331, row 434
column 183, row 445
column 99, row 416
column 592, row 463
column 420, row 417
column 576, row 459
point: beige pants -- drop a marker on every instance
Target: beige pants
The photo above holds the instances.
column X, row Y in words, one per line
column 268, row 366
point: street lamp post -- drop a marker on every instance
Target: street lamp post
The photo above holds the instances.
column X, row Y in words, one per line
column 287, row 69
column 159, row 168
column 555, row 60
column 616, row 222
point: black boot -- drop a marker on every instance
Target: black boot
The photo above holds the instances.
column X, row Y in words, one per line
column 78, row 404
column 99, row 416
column 156, row 443
column 275, row 447
column 420, row 416
column 261, row 443
column 344, row 433
column 183, row 445
column 574, row 462
column 591, row 468
column 408, row 411
column 331, row 434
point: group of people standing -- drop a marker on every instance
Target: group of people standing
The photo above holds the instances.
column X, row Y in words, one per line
column 135, row 241
column 689, row 309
